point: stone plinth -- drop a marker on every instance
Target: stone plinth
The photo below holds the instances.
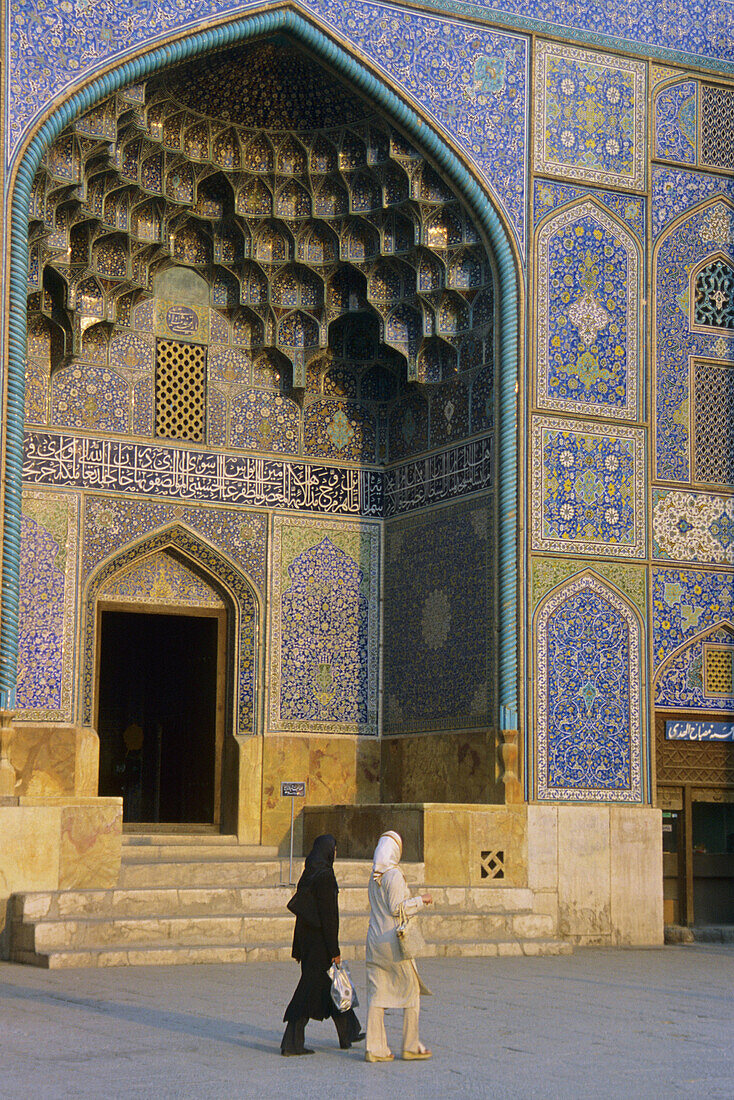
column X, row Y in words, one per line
column 54, row 759
column 57, row 844
column 595, row 870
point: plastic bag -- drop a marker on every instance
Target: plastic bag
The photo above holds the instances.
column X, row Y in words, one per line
column 343, row 993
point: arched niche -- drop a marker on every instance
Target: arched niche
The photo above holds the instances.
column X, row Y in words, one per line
column 588, row 703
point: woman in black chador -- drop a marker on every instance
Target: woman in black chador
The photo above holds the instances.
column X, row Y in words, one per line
column 315, row 946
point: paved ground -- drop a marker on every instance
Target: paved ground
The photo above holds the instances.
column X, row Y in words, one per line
column 599, row 1023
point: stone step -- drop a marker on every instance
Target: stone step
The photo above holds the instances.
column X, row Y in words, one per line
column 172, row 834
column 201, row 850
column 192, row 872
column 166, row 954
column 251, row 928
column 140, row 872
column 211, row 900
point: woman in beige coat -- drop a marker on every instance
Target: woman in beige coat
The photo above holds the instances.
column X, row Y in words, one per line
column 392, row 982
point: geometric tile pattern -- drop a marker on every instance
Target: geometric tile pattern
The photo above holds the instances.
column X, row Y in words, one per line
column 49, row 535
column 717, row 126
column 683, row 685
column 713, row 423
column 686, row 602
column 589, row 113
column 675, row 123
column 588, row 282
column 438, row 663
column 588, row 702
column 693, row 527
column 324, row 626
column 587, row 491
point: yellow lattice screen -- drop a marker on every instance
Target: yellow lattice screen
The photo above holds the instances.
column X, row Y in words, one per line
column 718, row 678
column 180, row 391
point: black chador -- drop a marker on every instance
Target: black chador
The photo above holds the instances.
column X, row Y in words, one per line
column 315, row 946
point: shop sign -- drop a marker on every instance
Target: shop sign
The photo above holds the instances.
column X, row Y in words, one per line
column 699, row 731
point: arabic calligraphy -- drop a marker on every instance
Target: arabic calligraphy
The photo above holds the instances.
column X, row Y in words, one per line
column 453, row 473
column 699, row 731
column 53, row 458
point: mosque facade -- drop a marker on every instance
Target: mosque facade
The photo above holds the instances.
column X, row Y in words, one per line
column 368, row 422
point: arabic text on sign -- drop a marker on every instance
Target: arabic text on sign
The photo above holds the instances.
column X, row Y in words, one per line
column 292, row 790
column 699, row 731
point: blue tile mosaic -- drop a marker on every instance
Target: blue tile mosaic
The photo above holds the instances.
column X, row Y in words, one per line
column 676, row 123
column 676, row 190
column 587, row 489
column 588, row 695
column 589, row 281
column 683, row 685
column 438, row 620
column 547, row 196
column 589, row 116
column 707, row 232
column 47, row 606
column 686, row 602
column 324, row 628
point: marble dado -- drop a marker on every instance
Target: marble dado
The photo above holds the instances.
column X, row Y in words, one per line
column 596, row 870
column 427, row 768
column 337, row 770
column 63, row 843
column 54, row 760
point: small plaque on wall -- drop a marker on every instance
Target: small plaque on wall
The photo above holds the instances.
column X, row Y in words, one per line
column 182, row 322
column 699, row 731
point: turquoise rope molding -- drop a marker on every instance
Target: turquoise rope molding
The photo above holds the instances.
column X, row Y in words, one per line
column 256, row 26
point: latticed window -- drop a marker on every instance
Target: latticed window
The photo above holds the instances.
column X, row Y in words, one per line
column 717, row 126
column 717, row 672
column 713, row 421
column 180, row 391
column 715, row 295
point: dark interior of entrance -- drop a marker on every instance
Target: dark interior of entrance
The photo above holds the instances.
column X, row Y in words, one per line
column 157, row 715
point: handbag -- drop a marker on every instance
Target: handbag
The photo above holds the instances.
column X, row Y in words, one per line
column 343, row 993
column 411, row 943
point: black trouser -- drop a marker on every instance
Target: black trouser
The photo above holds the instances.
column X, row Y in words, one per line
column 347, row 1028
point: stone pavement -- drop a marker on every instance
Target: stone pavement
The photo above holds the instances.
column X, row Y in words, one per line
column 599, row 1023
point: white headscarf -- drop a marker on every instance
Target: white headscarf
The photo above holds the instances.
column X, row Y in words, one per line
column 387, row 854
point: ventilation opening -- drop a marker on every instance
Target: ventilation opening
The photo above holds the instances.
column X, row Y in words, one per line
column 180, row 391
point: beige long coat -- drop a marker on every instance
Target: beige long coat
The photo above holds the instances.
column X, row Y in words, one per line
column 392, row 982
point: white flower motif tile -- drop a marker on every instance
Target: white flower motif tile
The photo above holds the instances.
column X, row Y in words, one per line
column 590, row 116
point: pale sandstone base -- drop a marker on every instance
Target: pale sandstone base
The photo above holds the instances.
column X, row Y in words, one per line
column 596, row 871
column 57, row 844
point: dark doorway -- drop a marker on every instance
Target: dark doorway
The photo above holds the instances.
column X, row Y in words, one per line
column 157, row 715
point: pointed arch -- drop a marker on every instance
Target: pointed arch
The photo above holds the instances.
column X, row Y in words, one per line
column 237, row 589
column 680, row 683
column 421, row 129
column 588, row 699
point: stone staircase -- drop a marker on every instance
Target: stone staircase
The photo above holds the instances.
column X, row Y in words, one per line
column 203, row 898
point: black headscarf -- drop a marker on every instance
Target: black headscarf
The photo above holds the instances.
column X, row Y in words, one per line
column 319, row 862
